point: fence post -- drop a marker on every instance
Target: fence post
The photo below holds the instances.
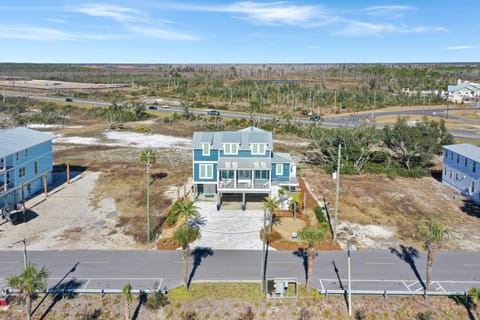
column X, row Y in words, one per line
column 385, row 294
column 326, row 294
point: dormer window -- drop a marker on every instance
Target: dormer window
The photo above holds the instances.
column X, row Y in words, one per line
column 230, row 148
column 258, row 148
column 205, row 149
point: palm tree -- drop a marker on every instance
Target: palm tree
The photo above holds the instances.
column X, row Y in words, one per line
column 271, row 204
column 185, row 235
column 312, row 235
column 148, row 157
column 186, row 210
column 29, row 282
column 127, row 295
column 433, row 233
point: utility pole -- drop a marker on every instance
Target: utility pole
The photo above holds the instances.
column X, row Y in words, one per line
column 148, row 200
column 349, row 280
column 262, row 281
column 337, row 194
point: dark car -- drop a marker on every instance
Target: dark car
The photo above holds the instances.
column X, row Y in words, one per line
column 315, row 118
column 69, row 100
column 152, row 108
column 213, row 112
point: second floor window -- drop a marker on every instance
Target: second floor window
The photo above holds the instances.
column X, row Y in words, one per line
column 279, row 169
column 205, row 149
column 258, row 148
column 35, row 167
column 466, row 162
column 458, row 158
column 474, row 166
column 21, row 172
column 472, row 187
column 230, row 148
column 206, row 171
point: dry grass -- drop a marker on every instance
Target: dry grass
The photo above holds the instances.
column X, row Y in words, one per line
column 400, row 203
column 230, row 300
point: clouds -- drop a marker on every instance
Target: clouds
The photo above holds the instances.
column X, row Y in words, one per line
column 122, row 14
column 27, row 32
column 460, row 48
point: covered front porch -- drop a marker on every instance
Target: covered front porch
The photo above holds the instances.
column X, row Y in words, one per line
column 244, row 175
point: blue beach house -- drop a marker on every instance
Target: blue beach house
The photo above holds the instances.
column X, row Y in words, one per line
column 25, row 157
column 240, row 163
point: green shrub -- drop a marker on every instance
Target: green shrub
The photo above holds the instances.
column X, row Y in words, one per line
column 156, row 301
column 319, row 214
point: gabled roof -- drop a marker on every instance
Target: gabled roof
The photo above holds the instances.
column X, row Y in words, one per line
column 243, row 137
column 20, row 138
column 467, row 150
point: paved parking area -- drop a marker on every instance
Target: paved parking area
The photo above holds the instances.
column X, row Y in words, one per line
column 229, row 229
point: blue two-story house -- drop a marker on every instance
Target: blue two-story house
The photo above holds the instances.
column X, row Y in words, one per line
column 25, row 158
column 240, row 162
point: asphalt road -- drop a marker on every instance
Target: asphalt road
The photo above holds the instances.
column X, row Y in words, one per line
column 341, row 120
column 371, row 270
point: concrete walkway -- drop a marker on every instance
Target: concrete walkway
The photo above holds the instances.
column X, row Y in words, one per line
column 229, row 229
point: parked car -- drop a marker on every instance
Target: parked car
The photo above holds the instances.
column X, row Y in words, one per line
column 315, row 118
column 68, row 99
column 152, row 108
column 164, row 106
column 213, row 112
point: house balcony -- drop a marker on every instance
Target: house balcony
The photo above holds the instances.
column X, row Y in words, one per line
column 243, row 185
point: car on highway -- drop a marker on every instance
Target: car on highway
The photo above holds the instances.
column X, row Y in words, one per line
column 213, row 113
column 68, row 100
column 164, row 106
column 152, row 108
column 315, row 118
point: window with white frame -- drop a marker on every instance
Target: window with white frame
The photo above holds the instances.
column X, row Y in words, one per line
column 230, row 148
column 205, row 149
column 258, row 148
column 21, row 172
column 279, row 169
column 206, row 171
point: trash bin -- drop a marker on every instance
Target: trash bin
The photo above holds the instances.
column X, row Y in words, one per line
column 244, row 207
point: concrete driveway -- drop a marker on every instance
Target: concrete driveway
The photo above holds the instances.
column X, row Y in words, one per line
column 229, row 229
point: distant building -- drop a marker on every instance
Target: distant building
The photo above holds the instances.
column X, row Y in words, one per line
column 461, row 169
column 464, row 91
column 25, row 157
column 240, row 162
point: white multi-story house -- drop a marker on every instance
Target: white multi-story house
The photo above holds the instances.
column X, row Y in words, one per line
column 464, row 91
column 461, row 169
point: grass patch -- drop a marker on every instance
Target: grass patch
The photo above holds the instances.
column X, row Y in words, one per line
column 237, row 290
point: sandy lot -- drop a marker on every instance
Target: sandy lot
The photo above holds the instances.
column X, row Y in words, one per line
column 67, row 219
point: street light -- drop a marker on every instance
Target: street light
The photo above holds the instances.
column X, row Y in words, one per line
column 11, row 245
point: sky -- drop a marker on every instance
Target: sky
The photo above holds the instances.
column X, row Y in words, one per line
column 218, row 31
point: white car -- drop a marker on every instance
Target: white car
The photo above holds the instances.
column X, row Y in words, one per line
column 165, row 106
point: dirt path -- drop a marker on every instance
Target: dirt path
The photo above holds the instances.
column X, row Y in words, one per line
column 67, row 219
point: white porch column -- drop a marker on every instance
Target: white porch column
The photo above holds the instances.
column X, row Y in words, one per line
column 251, row 179
column 235, row 179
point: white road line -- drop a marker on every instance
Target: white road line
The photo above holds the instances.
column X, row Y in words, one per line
column 160, row 284
column 321, row 284
column 412, row 284
column 86, row 284
column 405, row 284
column 386, row 263
column 95, row 262
column 441, row 288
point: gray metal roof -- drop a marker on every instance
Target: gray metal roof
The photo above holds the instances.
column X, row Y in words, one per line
column 244, row 163
column 281, row 157
column 460, row 86
column 467, row 150
column 20, row 138
column 243, row 137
